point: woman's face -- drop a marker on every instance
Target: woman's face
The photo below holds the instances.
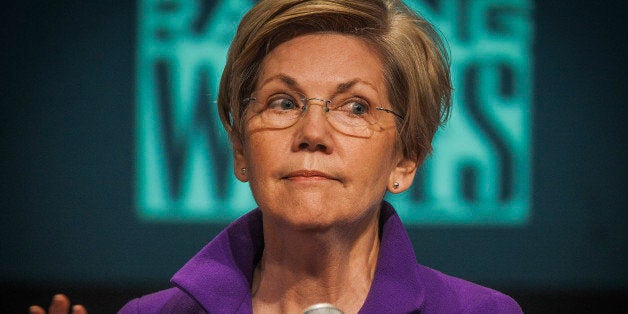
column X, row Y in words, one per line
column 309, row 175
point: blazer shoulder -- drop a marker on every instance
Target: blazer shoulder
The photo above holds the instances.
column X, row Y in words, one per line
column 172, row 300
column 461, row 296
column 495, row 302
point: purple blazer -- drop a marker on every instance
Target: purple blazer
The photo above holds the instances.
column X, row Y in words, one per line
column 218, row 278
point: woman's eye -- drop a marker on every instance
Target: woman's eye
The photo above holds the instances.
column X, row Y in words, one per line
column 282, row 104
column 356, row 108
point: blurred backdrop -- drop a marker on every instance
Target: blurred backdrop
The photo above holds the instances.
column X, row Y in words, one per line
column 114, row 171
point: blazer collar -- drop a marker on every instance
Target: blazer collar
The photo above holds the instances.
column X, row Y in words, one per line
column 219, row 276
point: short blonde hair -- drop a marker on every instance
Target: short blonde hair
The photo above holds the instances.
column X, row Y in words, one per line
column 415, row 61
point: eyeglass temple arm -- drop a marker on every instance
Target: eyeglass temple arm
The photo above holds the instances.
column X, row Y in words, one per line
column 390, row 111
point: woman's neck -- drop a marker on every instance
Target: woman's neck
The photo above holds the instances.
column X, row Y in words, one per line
column 300, row 268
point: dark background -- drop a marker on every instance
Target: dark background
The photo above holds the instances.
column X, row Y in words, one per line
column 67, row 168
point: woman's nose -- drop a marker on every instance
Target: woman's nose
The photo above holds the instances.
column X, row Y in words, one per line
column 313, row 129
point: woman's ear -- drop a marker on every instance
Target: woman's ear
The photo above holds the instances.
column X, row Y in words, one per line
column 239, row 162
column 402, row 175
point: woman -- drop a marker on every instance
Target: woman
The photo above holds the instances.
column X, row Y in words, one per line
column 329, row 104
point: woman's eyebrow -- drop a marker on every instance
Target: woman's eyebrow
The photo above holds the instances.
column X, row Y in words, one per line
column 286, row 79
column 292, row 82
column 343, row 87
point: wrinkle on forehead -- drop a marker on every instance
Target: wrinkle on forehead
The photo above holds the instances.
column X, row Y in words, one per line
column 358, row 54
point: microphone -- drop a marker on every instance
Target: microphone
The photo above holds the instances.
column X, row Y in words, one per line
column 322, row 308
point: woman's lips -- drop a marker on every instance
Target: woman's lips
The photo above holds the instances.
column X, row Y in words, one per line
column 308, row 175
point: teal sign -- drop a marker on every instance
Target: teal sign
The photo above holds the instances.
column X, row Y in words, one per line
column 479, row 173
